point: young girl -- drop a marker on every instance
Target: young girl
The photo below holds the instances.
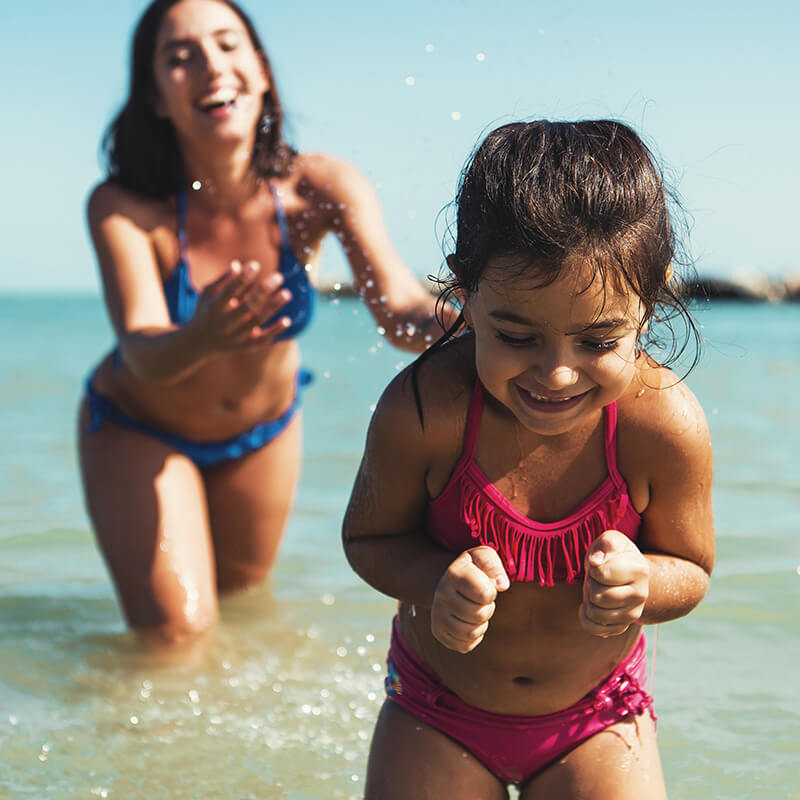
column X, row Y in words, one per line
column 538, row 489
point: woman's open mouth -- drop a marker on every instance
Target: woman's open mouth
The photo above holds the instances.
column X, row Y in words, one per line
column 219, row 103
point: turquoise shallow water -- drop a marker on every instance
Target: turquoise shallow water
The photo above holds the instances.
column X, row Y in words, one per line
column 282, row 706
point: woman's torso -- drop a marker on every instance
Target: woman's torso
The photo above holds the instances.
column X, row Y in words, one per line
column 535, row 658
column 228, row 392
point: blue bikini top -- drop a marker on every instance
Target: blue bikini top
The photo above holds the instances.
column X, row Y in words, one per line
column 182, row 296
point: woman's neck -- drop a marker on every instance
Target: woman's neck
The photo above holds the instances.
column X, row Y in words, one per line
column 221, row 178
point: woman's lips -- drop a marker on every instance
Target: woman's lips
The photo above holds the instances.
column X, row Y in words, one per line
column 550, row 405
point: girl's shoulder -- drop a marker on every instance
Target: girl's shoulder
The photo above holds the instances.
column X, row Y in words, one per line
column 430, row 398
column 660, row 421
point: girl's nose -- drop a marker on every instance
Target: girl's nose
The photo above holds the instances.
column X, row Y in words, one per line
column 555, row 373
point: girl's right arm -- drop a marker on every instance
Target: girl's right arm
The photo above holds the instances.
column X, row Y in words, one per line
column 384, row 529
column 228, row 313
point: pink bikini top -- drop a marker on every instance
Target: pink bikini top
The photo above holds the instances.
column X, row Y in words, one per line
column 470, row 511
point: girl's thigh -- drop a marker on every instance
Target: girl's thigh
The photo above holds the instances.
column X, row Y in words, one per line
column 249, row 502
column 409, row 759
column 148, row 508
column 619, row 763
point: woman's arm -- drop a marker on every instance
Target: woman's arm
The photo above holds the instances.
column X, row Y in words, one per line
column 228, row 313
column 395, row 297
column 666, row 574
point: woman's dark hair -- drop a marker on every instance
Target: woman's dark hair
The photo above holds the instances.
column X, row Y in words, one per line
column 545, row 191
column 140, row 149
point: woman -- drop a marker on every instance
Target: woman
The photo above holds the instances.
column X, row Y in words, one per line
column 207, row 232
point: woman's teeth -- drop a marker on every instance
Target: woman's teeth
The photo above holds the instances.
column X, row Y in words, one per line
column 221, row 97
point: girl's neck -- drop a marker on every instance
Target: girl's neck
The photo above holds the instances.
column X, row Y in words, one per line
column 221, row 178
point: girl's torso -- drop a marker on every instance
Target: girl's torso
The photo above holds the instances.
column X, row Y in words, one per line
column 539, row 507
column 281, row 227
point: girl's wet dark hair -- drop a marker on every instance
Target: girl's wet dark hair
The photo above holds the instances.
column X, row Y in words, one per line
column 140, row 149
column 543, row 192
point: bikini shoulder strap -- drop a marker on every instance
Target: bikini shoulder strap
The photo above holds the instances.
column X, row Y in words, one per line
column 182, row 238
column 610, row 431
column 473, row 419
column 280, row 214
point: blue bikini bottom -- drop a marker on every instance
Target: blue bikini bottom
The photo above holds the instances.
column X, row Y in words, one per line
column 203, row 454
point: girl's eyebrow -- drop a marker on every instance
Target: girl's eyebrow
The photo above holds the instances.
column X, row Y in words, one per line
column 599, row 325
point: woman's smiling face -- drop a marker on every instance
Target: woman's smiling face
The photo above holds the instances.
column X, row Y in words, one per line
column 210, row 80
column 553, row 354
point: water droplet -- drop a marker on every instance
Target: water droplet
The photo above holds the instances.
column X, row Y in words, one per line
column 381, row 330
column 197, row 186
column 309, row 267
column 455, row 115
column 134, row 720
column 429, row 48
column 328, row 599
column 480, row 57
column 194, row 696
column 341, row 652
column 370, row 283
column 410, row 80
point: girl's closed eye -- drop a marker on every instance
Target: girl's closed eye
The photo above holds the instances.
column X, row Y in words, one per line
column 601, row 346
column 516, row 341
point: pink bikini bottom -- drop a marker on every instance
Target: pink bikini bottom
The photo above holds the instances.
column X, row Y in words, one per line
column 515, row 748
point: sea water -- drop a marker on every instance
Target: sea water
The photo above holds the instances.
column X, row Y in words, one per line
column 282, row 702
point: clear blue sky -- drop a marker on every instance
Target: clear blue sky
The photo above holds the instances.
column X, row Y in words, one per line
column 712, row 85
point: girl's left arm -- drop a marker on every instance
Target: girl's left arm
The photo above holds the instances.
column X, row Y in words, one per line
column 395, row 297
column 666, row 573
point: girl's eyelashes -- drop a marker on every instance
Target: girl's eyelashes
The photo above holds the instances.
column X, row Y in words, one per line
column 595, row 345
column 516, row 341
column 602, row 346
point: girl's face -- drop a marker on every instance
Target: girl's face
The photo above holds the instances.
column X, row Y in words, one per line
column 210, row 81
column 553, row 355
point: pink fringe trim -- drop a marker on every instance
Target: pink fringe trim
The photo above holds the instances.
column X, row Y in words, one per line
column 531, row 556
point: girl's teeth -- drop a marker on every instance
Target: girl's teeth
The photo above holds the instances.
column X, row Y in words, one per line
column 549, row 399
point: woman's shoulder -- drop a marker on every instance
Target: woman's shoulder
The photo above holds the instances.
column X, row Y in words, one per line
column 328, row 176
column 108, row 199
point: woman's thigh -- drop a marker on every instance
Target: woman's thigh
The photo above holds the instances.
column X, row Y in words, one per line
column 619, row 763
column 410, row 759
column 249, row 502
column 148, row 508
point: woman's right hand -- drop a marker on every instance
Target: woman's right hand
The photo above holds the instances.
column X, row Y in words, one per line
column 464, row 600
column 231, row 310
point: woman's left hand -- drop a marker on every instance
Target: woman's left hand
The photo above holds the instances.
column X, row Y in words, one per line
column 615, row 585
